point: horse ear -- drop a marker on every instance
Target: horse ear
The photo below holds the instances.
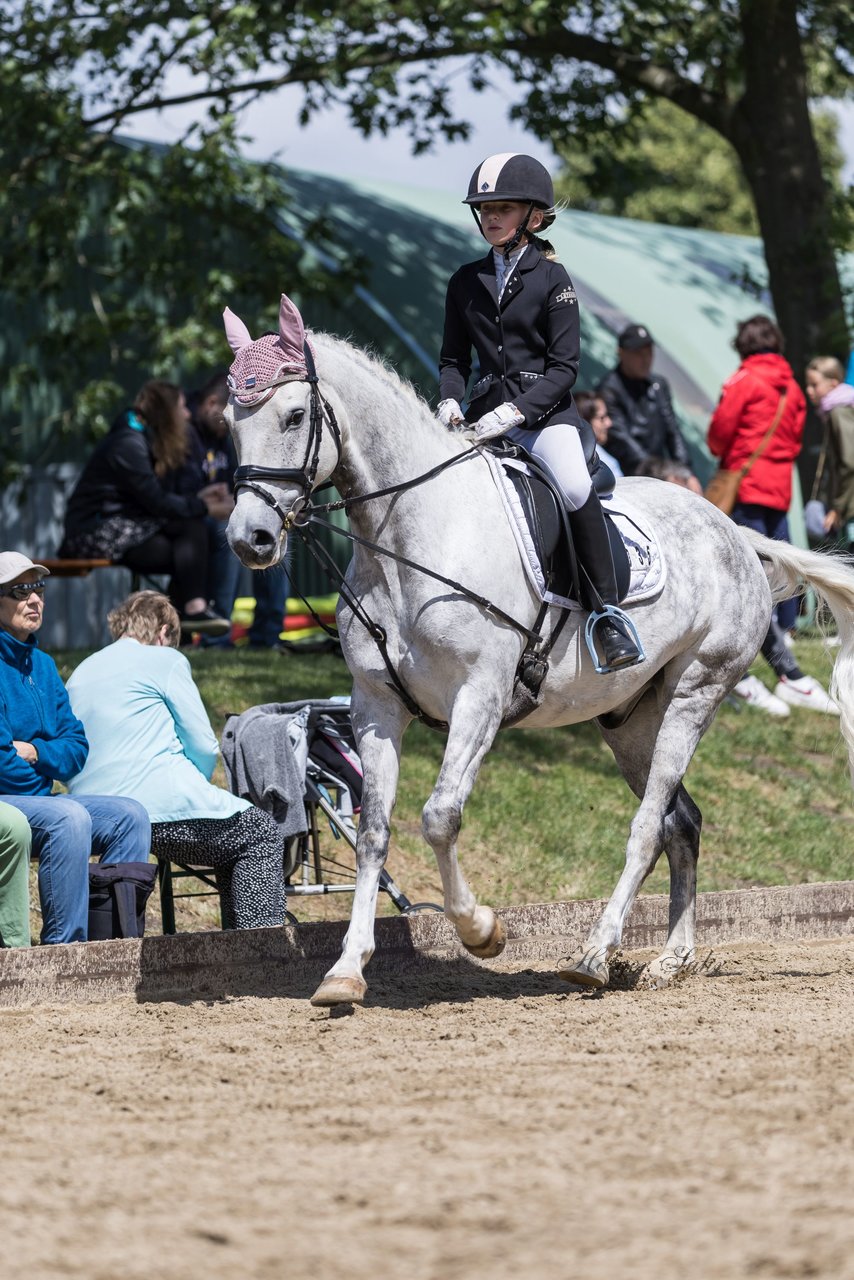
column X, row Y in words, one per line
column 291, row 330
column 235, row 330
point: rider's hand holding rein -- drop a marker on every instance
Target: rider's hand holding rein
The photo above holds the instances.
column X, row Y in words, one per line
column 450, row 414
column 495, row 424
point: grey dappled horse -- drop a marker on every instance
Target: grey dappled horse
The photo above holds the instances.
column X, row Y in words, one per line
column 368, row 430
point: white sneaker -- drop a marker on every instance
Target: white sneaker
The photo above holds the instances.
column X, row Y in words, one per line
column 756, row 694
column 806, row 692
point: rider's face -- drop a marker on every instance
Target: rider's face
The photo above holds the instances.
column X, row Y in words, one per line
column 501, row 219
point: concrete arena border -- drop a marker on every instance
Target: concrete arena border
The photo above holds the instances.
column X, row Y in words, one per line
column 290, row 961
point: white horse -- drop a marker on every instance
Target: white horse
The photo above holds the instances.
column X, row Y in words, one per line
column 368, row 431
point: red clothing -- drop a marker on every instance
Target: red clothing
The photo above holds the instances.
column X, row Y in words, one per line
column 746, row 409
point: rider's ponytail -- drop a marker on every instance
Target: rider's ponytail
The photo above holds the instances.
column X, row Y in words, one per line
column 545, row 247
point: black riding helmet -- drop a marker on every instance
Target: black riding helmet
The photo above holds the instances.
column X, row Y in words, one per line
column 512, row 176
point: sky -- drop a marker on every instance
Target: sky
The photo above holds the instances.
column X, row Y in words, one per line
column 329, row 145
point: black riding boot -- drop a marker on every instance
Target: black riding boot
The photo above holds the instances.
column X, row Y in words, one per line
column 593, row 549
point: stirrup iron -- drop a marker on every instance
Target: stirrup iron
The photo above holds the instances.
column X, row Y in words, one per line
column 593, row 620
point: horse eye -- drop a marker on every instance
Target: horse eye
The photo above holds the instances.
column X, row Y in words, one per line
column 295, row 417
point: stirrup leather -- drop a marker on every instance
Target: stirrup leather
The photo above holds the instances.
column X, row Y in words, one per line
column 593, row 620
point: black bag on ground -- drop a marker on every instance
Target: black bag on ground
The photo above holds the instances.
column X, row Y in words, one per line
column 118, row 893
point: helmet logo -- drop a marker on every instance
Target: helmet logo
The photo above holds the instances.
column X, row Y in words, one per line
column 484, row 186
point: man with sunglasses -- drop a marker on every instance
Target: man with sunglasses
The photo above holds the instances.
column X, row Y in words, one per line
column 42, row 742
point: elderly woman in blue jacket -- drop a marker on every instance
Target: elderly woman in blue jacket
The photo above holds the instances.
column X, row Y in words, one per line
column 42, row 742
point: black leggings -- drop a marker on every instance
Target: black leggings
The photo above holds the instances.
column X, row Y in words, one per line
column 777, row 655
column 180, row 549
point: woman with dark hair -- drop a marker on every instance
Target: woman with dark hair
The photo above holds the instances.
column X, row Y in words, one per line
column 594, row 410
column 125, row 506
column 757, row 429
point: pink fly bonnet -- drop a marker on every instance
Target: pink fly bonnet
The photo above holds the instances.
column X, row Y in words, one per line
column 261, row 366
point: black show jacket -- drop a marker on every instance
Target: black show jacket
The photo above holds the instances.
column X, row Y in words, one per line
column 528, row 344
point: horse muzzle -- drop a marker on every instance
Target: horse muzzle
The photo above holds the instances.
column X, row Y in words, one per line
column 256, row 533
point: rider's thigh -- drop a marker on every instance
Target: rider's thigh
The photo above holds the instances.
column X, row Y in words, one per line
column 558, row 446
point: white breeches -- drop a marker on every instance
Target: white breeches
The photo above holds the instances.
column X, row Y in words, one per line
column 558, row 446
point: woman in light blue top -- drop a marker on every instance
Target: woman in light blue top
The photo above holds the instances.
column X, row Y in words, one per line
column 150, row 738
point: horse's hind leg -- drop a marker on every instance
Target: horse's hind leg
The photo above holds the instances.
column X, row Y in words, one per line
column 470, row 736
column 379, row 731
column 682, row 827
column 653, row 749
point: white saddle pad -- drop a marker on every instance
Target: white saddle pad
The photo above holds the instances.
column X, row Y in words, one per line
column 647, row 566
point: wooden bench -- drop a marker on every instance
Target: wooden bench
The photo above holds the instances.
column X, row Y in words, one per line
column 74, row 568
column 82, row 568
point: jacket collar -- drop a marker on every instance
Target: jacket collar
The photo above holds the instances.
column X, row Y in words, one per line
column 17, row 653
column 486, row 272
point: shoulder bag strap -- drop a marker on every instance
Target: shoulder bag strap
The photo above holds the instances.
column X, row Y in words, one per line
column 763, row 443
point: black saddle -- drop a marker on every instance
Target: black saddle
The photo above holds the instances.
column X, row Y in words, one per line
column 549, row 524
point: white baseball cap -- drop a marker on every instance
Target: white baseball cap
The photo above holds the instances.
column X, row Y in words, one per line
column 13, row 564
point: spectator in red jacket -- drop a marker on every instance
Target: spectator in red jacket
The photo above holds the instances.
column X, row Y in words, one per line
column 751, row 399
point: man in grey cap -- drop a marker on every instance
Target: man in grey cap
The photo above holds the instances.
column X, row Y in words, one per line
column 643, row 423
column 42, row 741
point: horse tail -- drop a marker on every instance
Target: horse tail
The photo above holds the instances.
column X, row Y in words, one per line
column 790, row 571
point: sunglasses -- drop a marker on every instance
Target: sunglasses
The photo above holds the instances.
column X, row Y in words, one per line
column 23, row 590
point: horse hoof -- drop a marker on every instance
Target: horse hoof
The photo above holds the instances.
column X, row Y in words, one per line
column 585, row 969
column 334, row 991
column 494, row 944
column 670, row 967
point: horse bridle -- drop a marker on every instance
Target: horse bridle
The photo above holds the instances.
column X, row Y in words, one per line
column 247, row 477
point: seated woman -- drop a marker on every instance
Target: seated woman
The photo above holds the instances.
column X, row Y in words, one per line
column 150, row 738
column 125, row 508
column 41, row 741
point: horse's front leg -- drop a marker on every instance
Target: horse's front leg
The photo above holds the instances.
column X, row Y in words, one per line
column 378, row 735
column 474, row 723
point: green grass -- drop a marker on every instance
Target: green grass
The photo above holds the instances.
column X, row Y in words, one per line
column 549, row 816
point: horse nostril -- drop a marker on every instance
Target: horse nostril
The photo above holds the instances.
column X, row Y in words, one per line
column 262, row 540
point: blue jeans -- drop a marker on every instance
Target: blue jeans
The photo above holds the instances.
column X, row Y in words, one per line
column 774, row 524
column 223, row 569
column 271, row 594
column 66, row 832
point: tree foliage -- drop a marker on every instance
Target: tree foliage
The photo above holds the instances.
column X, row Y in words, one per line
column 668, row 167
column 114, row 249
column 117, row 259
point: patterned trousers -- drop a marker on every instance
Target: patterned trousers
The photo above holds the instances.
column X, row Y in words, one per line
column 246, row 853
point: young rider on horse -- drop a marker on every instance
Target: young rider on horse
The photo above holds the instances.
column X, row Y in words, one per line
column 518, row 309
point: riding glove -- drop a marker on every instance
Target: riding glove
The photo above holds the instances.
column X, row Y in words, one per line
column 496, row 423
column 450, row 414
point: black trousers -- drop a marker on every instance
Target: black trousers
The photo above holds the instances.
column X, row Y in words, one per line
column 181, row 549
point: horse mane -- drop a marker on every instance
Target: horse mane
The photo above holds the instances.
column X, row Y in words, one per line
column 400, row 397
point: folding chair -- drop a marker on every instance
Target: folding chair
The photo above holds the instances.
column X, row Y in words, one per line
column 332, row 798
